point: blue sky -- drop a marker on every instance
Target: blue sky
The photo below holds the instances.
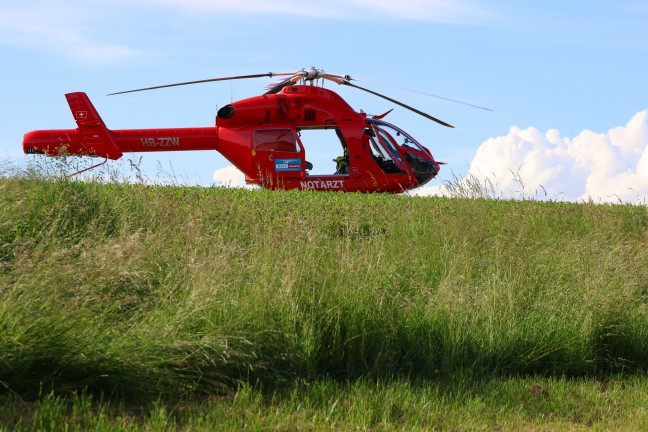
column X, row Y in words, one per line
column 551, row 71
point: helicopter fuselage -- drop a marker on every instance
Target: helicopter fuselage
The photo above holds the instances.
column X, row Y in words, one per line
column 261, row 136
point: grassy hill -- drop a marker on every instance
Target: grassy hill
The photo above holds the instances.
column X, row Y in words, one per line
column 161, row 293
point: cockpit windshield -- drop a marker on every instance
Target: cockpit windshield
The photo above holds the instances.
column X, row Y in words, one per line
column 401, row 137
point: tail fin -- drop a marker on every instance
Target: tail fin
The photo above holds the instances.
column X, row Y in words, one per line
column 94, row 138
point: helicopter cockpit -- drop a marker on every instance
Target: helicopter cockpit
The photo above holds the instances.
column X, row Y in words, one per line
column 390, row 144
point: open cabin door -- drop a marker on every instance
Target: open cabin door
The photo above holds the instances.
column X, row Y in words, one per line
column 384, row 150
column 277, row 155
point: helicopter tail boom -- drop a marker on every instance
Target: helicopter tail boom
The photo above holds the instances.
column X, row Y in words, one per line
column 93, row 138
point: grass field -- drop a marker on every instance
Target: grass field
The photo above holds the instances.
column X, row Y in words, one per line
column 133, row 307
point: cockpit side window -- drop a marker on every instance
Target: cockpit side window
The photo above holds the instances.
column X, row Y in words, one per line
column 376, row 150
column 383, row 151
column 388, row 142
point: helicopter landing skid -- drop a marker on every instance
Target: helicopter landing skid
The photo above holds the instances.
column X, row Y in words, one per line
column 87, row 169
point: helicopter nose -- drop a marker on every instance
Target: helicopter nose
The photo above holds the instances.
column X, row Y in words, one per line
column 436, row 168
column 423, row 168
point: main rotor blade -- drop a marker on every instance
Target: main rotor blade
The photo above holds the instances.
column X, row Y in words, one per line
column 336, row 78
column 424, row 93
column 267, row 74
column 421, row 113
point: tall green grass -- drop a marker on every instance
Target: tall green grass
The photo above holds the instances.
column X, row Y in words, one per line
column 515, row 404
column 152, row 291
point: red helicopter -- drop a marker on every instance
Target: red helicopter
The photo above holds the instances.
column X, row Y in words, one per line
column 262, row 137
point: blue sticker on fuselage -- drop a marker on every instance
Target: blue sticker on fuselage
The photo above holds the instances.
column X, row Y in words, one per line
column 282, row 165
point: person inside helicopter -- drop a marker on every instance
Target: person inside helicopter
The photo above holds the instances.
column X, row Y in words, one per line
column 342, row 162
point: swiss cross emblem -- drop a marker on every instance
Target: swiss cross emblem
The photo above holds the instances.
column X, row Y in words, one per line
column 82, row 114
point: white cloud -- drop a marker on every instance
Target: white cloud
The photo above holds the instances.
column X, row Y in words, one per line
column 78, row 31
column 428, row 10
column 63, row 30
column 230, row 176
column 604, row 167
column 246, row 6
column 448, row 11
column 435, row 190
